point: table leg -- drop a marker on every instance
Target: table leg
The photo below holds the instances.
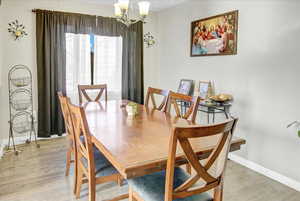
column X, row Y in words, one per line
column 208, row 117
column 226, row 112
column 181, row 108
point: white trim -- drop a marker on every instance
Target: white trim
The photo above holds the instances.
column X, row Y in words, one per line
column 266, row 172
column 2, row 146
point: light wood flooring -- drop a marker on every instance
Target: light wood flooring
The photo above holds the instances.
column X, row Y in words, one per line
column 39, row 175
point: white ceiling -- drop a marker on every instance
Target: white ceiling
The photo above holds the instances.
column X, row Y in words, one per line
column 156, row 5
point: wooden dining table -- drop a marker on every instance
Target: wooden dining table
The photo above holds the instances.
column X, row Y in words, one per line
column 138, row 145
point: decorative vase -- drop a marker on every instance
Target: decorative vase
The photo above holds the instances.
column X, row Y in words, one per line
column 131, row 109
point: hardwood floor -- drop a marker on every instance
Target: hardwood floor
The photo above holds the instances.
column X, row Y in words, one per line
column 39, row 175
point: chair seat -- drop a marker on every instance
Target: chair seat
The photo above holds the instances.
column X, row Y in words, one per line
column 102, row 165
column 152, row 187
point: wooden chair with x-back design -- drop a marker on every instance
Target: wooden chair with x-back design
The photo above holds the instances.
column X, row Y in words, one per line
column 151, row 97
column 92, row 167
column 191, row 113
column 83, row 92
column 175, row 183
column 173, row 100
column 69, row 130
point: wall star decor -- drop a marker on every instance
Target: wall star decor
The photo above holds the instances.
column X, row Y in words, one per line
column 17, row 29
column 215, row 35
column 149, row 40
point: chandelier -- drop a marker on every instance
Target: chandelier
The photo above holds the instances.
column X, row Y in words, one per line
column 122, row 11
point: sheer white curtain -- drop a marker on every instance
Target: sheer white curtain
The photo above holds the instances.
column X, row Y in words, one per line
column 78, row 63
column 108, row 64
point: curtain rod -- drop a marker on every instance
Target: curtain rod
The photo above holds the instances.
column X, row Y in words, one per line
column 62, row 12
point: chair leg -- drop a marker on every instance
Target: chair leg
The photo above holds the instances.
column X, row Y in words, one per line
column 78, row 182
column 189, row 168
column 218, row 193
column 131, row 195
column 92, row 186
column 68, row 161
column 75, row 174
column 120, row 180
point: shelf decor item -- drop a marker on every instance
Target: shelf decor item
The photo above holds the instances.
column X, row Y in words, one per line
column 20, row 105
column 222, row 98
column 186, row 87
column 17, row 29
column 205, row 89
column 215, row 35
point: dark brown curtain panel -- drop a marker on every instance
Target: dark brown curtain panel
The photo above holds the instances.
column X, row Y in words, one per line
column 51, row 28
column 133, row 64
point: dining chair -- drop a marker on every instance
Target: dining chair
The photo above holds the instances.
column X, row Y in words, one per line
column 174, row 183
column 151, row 97
column 92, row 167
column 83, row 92
column 193, row 102
column 173, row 100
column 69, row 130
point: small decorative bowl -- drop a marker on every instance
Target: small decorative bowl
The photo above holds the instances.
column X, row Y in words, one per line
column 221, row 98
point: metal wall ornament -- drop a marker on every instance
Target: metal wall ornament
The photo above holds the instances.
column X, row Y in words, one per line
column 17, row 29
column 22, row 120
column 149, row 40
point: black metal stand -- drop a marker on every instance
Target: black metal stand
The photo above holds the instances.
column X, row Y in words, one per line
column 20, row 105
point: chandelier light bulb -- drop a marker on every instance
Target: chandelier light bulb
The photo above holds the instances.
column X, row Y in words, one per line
column 122, row 12
column 118, row 12
column 123, row 4
column 144, row 7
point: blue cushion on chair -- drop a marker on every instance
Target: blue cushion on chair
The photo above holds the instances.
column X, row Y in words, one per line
column 102, row 165
column 152, row 187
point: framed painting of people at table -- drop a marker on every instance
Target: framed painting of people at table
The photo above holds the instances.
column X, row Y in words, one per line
column 215, row 35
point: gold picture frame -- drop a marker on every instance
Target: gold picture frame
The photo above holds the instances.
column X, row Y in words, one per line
column 216, row 35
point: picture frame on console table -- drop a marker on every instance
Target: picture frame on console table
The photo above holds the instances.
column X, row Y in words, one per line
column 205, row 89
column 186, row 87
column 216, row 35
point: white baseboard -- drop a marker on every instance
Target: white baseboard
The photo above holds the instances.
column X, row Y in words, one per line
column 2, row 146
column 266, row 172
column 4, row 143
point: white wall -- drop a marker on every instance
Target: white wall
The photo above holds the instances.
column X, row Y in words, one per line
column 263, row 77
column 1, row 67
column 24, row 50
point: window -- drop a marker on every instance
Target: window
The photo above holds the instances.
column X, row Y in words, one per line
column 93, row 59
column 78, row 63
column 108, row 64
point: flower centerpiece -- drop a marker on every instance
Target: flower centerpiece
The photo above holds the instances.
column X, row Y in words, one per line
column 132, row 108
